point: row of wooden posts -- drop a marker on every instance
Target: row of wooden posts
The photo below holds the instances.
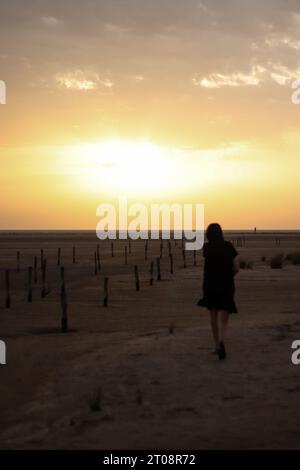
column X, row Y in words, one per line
column 96, row 256
column 33, row 275
column 241, row 241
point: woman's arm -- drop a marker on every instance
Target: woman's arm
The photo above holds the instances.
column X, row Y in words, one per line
column 236, row 265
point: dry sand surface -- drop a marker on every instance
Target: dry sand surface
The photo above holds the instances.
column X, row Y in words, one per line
column 140, row 373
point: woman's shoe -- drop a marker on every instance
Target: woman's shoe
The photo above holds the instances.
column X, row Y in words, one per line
column 222, row 351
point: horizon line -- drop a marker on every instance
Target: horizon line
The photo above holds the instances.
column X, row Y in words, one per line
column 41, row 230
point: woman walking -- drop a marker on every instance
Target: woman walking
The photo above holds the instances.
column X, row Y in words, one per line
column 220, row 266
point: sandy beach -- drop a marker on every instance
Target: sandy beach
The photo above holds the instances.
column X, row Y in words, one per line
column 140, row 374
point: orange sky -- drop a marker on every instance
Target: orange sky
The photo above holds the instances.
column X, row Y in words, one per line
column 178, row 101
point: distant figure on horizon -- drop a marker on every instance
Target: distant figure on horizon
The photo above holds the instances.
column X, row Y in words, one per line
column 220, row 266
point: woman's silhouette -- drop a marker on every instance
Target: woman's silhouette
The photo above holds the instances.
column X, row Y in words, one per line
column 220, row 266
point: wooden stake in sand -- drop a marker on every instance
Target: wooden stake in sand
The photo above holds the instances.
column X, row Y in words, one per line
column 29, row 295
column 44, row 270
column 184, row 258
column 95, row 264
column 112, row 249
column 74, row 255
column 126, row 257
column 7, row 289
column 170, row 248
column 158, row 269
column 151, row 272
column 42, row 258
column 98, row 258
column 63, row 302
column 171, row 264
column 62, row 279
column 58, row 256
column 137, row 279
column 105, row 296
column 35, row 276
column 18, row 261
column 161, row 249
column 241, row 241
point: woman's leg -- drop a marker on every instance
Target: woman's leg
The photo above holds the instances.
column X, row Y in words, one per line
column 223, row 325
column 214, row 326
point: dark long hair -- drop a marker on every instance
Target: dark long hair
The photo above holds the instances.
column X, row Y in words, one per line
column 214, row 233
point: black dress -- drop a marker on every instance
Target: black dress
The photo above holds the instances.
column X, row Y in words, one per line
column 218, row 282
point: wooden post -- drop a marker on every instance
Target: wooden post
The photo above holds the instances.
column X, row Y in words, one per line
column 58, row 256
column 195, row 258
column 146, row 250
column 74, row 255
column 18, row 261
column 62, row 279
column 184, row 258
column 29, row 296
column 151, row 273
column 158, row 269
column 42, row 258
column 95, row 262
column 171, row 264
column 63, row 302
column 35, row 269
column 7, row 288
column 112, row 249
column 170, row 248
column 98, row 258
column 126, row 257
column 105, row 297
column 44, row 269
column 161, row 249
column 137, row 279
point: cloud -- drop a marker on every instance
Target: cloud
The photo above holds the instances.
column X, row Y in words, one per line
column 116, row 29
column 139, row 78
column 282, row 75
column 218, row 80
column 51, row 21
column 75, row 81
column 106, row 83
column 276, row 72
column 82, row 81
column 283, row 41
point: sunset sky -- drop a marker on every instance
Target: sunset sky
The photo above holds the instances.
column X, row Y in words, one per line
column 161, row 101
